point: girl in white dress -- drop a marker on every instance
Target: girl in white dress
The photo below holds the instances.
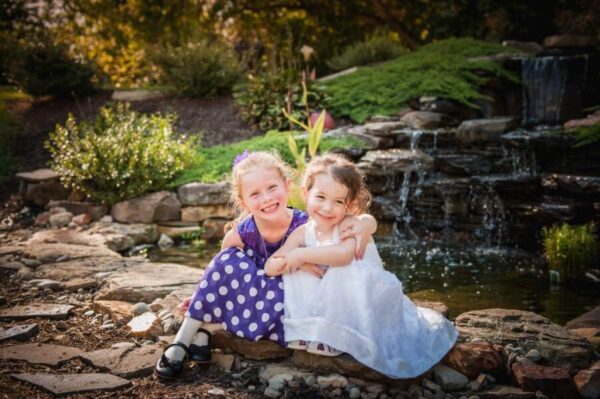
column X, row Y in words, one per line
column 360, row 308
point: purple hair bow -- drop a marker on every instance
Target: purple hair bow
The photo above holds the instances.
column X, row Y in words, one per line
column 240, row 157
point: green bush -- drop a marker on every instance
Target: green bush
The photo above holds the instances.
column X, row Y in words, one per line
column 377, row 48
column 7, row 135
column 586, row 135
column 265, row 94
column 570, row 250
column 441, row 69
column 212, row 164
column 199, row 69
column 40, row 68
column 120, row 155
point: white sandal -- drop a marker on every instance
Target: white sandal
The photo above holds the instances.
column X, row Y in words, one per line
column 298, row 344
column 321, row 349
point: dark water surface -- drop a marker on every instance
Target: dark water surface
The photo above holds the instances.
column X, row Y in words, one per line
column 462, row 278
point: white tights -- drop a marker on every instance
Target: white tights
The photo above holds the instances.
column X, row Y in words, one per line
column 186, row 335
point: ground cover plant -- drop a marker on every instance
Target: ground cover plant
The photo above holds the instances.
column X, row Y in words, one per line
column 444, row 69
column 377, row 48
column 570, row 250
column 120, row 155
column 214, row 163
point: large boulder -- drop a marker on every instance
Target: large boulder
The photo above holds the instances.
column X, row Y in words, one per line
column 96, row 268
column 153, row 207
column 427, row 120
column 395, row 161
column 587, row 325
column 478, row 130
column 552, row 381
column 194, row 214
column 557, row 345
column 194, row 194
column 472, row 358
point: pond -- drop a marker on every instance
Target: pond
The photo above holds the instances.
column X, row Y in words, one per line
column 463, row 278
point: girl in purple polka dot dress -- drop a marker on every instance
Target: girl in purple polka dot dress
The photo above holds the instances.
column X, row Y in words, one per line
column 234, row 290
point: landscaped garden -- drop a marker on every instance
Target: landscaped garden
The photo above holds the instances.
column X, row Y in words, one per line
column 477, row 128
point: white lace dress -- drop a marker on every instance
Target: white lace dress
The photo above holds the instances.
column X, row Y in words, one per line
column 360, row 309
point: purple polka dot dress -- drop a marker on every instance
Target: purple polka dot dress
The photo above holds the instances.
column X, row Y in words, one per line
column 235, row 291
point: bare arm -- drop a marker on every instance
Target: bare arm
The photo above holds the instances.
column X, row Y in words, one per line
column 232, row 239
column 275, row 265
column 333, row 255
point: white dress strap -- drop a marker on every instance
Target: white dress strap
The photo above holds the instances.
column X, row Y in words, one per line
column 310, row 235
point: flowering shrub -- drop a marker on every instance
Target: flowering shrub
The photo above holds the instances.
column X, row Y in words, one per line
column 120, row 155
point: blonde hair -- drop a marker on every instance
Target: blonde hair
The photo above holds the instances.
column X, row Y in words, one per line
column 344, row 172
column 258, row 159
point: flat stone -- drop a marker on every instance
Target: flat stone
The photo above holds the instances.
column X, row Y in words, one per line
column 46, row 283
column 147, row 282
column 427, row 120
column 259, row 350
column 86, row 268
column 38, row 176
column 224, row 361
column 126, row 362
column 10, row 250
column 569, row 41
column 472, row 358
column 588, row 382
column 119, row 311
column 194, row 194
column 382, row 128
column 273, row 369
column 49, row 253
column 46, row 354
column 559, row 346
column 394, row 161
column 11, row 265
column 80, row 283
column 589, row 319
column 572, row 184
column 149, row 208
column 119, row 236
column 201, row 213
column 175, row 232
column 65, row 384
column 145, row 326
column 55, row 236
column 552, row 381
column 448, row 378
column 506, row 392
column 45, row 310
column 485, row 129
column 21, row 333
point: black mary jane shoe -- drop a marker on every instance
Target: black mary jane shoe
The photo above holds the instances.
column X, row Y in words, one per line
column 200, row 354
column 170, row 369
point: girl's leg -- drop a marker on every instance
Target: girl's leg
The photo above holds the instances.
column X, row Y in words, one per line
column 185, row 335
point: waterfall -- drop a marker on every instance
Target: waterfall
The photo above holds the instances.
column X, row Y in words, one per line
column 484, row 199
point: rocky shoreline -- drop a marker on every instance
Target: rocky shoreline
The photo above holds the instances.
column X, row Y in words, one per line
column 77, row 316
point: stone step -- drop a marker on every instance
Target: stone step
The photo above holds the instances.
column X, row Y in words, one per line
column 65, row 384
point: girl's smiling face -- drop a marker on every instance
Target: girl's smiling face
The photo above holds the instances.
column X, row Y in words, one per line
column 264, row 193
column 326, row 201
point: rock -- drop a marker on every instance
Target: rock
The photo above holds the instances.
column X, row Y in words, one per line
column 46, row 284
column 179, row 230
column 506, row 392
column 21, row 332
column 96, row 211
column 96, row 268
column 153, row 207
column 216, row 392
column 370, row 141
column 65, row 384
column 42, row 219
column 120, row 237
column 119, row 311
column 124, row 345
column 125, row 361
column 567, row 41
column 50, row 253
column 10, row 250
column 202, row 213
column 332, row 380
column 146, row 326
column 449, row 379
column 60, row 219
column 382, row 162
column 449, row 109
column 381, row 129
column 471, row 358
column 223, row 360
column 83, row 219
column 552, row 381
column 524, row 47
column 46, row 311
column 258, row 350
column 79, row 283
column 11, row 265
column 41, row 194
column 195, row 194
column 46, row 354
column 279, row 381
column 354, row 393
column 588, row 382
column 463, row 164
column 271, row 393
column 534, row 355
column 165, row 242
column 214, row 229
column 485, row 130
column 583, row 122
column 589, row 319
column 558, row 346
column 140, row 308
column 24, row 273
column 273, row 369
column 591, row 334
column 137, row 284
column 31, row 262
column 427, row 120
column 571, row 184
column 106, row 219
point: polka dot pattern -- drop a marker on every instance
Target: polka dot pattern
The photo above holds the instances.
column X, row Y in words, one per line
column 235, row 291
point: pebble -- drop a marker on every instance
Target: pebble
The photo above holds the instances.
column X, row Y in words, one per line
column 278, row 381
column 216, row 392
column 271, row 393
column 61, row 325
column 336, row 393
column 310, row 380
column 251, row 388
column 127, row 345
column 31, row 262
column 107, row 326
column 332, row 380
column 105, row 318
column 140, row 308
column 63, row 298
column 354, row 393
column 534, row 355
column 89, row 313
